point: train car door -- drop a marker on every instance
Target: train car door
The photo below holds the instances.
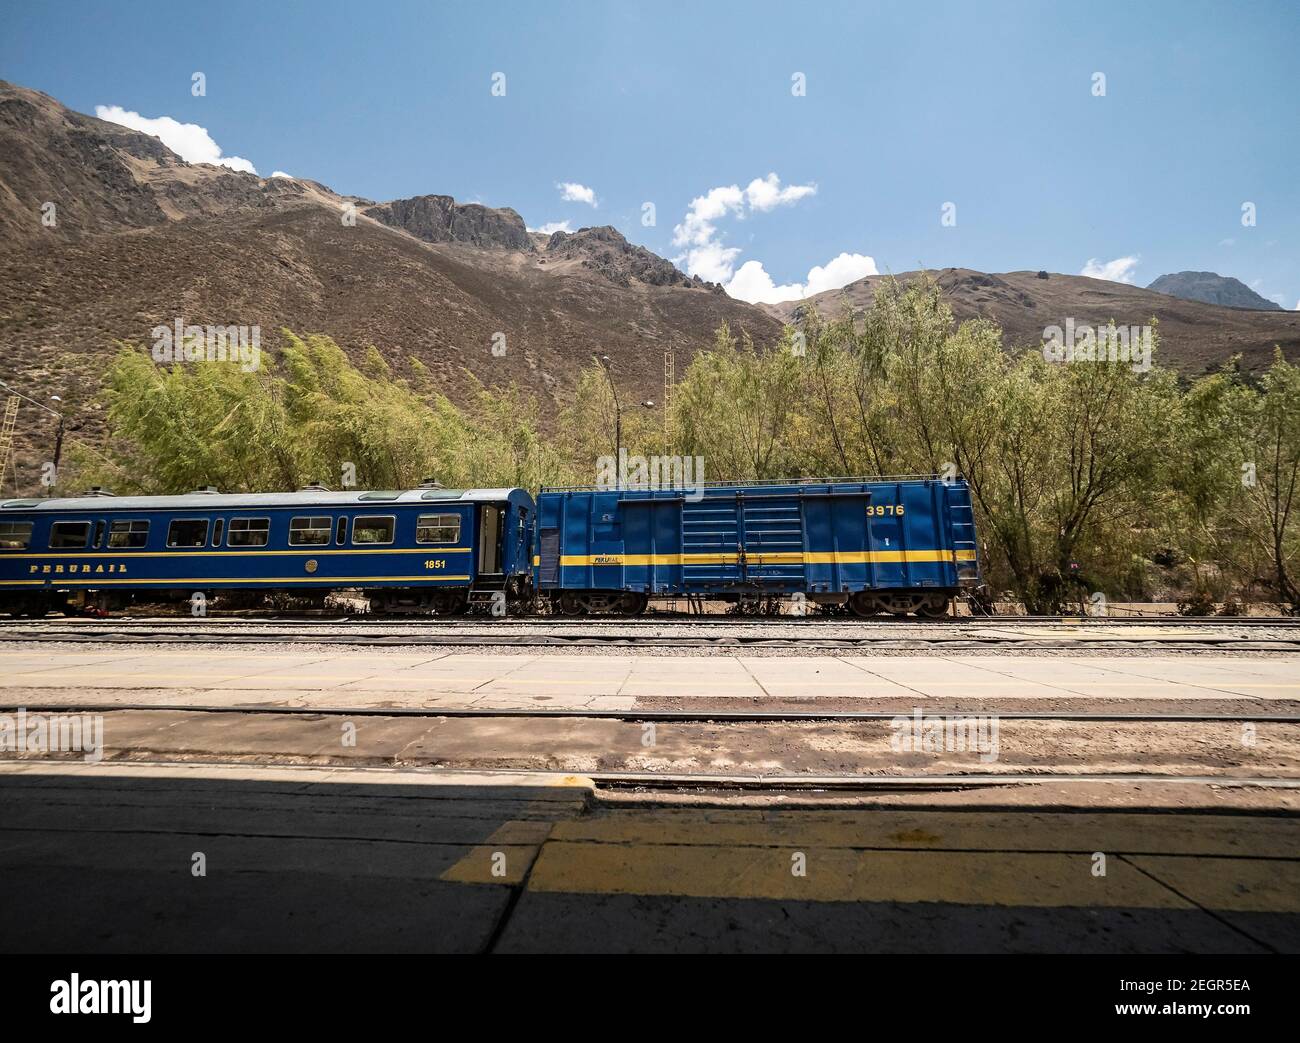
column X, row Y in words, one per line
column 490, row 523
column 772, row 542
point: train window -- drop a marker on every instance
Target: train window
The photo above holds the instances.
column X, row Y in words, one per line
column 372, row 529
column 341, row 532
column 99, row 534
column 188, row 532
column 70, row 534
column 310, row 531
column 248, row 532
column 437, row 528
column 128, row 534
column 15, row 535
column 217, row 528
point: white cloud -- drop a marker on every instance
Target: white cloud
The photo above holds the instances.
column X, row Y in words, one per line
column 281, row 173
column 753, row 284
column 705, row 255
column 572, row 192
column 698, row 226
column 712, row 262
column 553, row 226
column 1119, row 270
column 766, row 193
column 188, row 140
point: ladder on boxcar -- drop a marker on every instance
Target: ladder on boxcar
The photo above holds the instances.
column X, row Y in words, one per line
column 7, row 437
column 773, row 548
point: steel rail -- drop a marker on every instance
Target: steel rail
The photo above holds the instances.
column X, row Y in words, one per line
column 641, row 780
column 712, row 620
column 640, row 715
column 665, row 641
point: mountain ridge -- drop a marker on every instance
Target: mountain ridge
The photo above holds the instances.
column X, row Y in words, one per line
column 1195, row 337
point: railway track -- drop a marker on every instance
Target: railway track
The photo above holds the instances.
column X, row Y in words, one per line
column 635, row 716
column 763, row 751
column 704, row 781
column 659, row 619
column 802, row 637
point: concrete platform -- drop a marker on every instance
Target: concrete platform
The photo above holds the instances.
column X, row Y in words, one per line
column 101, row 859
column 238, row 677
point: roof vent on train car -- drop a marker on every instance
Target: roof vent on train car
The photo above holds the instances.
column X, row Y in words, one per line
column 98, row 490
column 315, row 487
column 207, row 490
column 430, row 483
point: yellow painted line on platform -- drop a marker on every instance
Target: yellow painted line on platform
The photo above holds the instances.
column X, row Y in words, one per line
column 843, row 875
column 1025, row 831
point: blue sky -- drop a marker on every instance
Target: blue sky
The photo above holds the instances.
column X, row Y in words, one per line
column 908, row 106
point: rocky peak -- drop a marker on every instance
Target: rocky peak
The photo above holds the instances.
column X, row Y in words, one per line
column 604, row 249
column 440, row 219
column 1212, row 288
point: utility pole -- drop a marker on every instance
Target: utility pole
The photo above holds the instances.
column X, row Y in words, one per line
column 58, row 439
column 603, row 362
column 670, row 382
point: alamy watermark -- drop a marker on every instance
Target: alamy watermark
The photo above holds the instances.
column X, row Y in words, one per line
column 679, row 473
column 72, row 995
column 937, row 733
column 57, row 733
column 182, row 343
column 1077, row 343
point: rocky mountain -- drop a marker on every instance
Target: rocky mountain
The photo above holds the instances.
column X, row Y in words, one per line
column 141, row 238
column 1194, row 336
column 1212, row 289
column 440, row 219
column 604, row 250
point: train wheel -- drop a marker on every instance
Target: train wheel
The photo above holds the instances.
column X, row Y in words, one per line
column 864, row 603
column 632, row 604
column 571, row 605
column 934, row 607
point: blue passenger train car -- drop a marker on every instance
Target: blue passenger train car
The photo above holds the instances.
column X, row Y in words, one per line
column 419, row 550
column 899, row 545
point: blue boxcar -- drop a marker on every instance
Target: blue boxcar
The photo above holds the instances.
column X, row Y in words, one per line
column 895, row 545
column 418, row 550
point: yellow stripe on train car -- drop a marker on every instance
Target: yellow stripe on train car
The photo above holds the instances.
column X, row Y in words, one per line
column 873, row 557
